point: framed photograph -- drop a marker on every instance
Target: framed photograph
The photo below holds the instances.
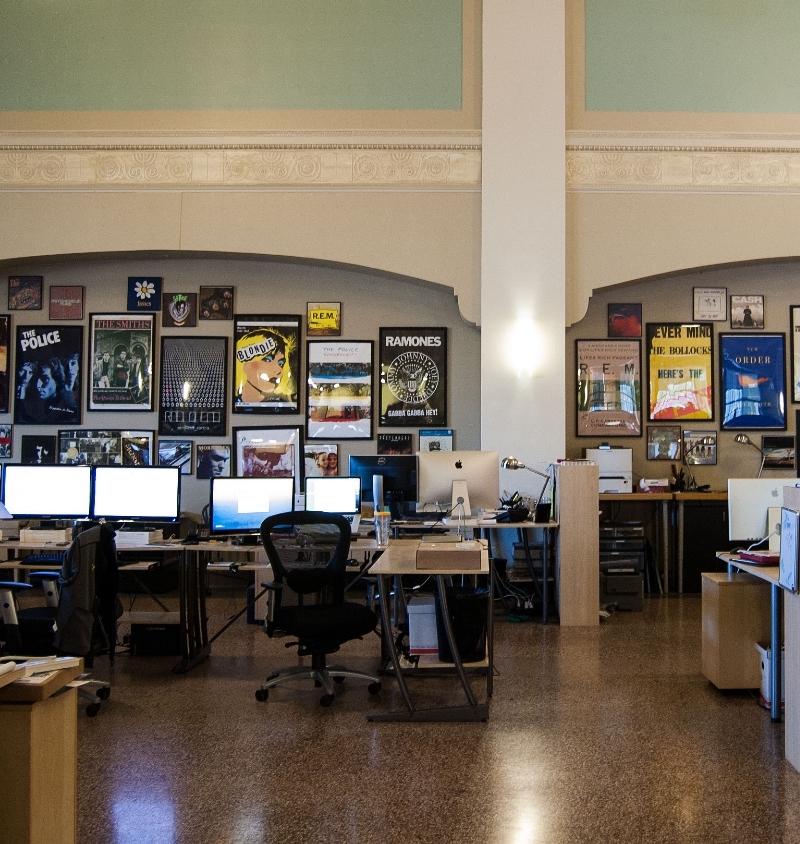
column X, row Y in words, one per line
column 778, row 452
column 339, row 392
column 266, row 365
column 663, row 442
column 213, row 461
column 105, row 448
column 37, row 450
column 413, row 377
column 144, row 293
column 794, row 339
column 178, row 310
column 609, row 388
column 216, row 303
column 321, row 461
column 753, row 393
column 25, row 292
column 747, row 312
column 269, row 453
column 439, row 439
column 121, row 348
column 700, row 448
column 680, row 371
column 193, row 386
column 66, row 302
column 625, row 319
column 5, row 442
column 710, row 304
column 48, row 384
column 324, row 319
column 4, row 357
column 395, row 444
column 176, row 453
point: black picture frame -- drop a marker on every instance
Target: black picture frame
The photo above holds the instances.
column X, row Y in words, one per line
column 752, row 381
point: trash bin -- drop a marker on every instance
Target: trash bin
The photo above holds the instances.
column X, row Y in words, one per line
column 467, row 608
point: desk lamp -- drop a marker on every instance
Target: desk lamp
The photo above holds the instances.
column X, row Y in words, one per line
column 513, row 463
column 688, row 451
column 743, row 439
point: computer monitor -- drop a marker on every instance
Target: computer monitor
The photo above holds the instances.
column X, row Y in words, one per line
column 239, row 505
column 749, row 502
column 47, row 492
column 441, row 474
column 334, row 495
column 137, row 493
column 398, row 474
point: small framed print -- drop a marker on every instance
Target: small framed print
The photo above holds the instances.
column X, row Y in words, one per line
column 710, row 304
column 176, row 453
column 324, row 319
column 216, row 303
column 778, row 452
column 213, row 461
column 625, row 319
column 105, row 448
column 66, row 302
column 747, row 312
column 700, row 448
column 38, row 450
column 144, row 293
column 25, row 292
column 395, row 444
column 438, row 439
column 5, row 442
column 178, row 310
column 269, row 453
column 663, row 442
column 321, row 461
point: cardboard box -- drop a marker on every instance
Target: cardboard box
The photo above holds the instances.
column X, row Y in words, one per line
column 449, row 556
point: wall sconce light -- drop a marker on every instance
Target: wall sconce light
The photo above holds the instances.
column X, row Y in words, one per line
column 743, row 439
column 525, row 348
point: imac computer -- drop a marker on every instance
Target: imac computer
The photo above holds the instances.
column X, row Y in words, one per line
column 136, row 493
column 340, row 495
column 47, row 492
column 445, row 476
column 749, row 503
column 239, row 505
column 390, row 478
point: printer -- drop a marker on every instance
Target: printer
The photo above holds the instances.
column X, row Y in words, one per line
column 615, row 466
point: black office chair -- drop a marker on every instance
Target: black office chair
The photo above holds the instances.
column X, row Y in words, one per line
column 320, row 627
column 80, row 618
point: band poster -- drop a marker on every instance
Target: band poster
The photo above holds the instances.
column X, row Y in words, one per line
column 753, row 381
column 339, row 392
column 266, row 364
column 609, row 388
column 122, row 362
column 413, row 377
column 48, row 382
column 680, row 370
column 4, row 340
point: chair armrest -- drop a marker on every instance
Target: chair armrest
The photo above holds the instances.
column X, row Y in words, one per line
column 14, row 586
column 47, row 574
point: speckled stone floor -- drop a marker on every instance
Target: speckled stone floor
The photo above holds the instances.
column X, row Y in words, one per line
column 608, row 734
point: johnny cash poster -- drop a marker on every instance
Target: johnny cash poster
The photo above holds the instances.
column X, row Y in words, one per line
column 48, row 379
column 413, row 377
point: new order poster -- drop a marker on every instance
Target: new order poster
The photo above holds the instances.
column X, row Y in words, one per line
column 413, row 377
column 48, row 381
column 680, row 371
column 339, row 394
column 266, row 363
column 753, row 381
column 609, row 388
column 122, row 362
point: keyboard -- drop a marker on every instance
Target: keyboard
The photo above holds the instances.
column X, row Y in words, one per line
column 48, row 559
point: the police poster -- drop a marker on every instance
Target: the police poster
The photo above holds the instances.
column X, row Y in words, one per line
column 413, row 377
column 48, row 381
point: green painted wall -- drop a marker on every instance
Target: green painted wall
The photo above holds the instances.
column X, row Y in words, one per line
column 693, row 55
column 229, row 54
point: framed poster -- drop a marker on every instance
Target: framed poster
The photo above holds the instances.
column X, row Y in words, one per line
column 66, row 302
column 778, row 452
column 710, row 304
column 5, row 441
column 794, row 339
column 324, row 319
column 38, row 450
column 413, row 377
column 700, row 448
column 609, row 388
column 395, row 444
column 176, row 453
column 144, row 293
column 4, row 340
column 105, row 448
column 269, row 453
column 753, row 393
column 266, row 363
column 339, row 392
column 663, row 442
column 625, row 319
column 179, row 310
column 193, row 386
column 680, row 371
column 121, row 348
column 213, row 461
column 747, row 312
column 440, row 439
column 321, row 461
column 216, row 303
column 25, row 292
column 48, row 385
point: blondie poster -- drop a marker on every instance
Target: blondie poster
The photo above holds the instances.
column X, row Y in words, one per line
column 609, row 388
column 122, row 362
column 266, row 364
column 680, row 371
column 413, row 377
column 48, row 381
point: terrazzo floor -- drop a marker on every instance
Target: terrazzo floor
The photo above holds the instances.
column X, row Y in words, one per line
column 607, row 734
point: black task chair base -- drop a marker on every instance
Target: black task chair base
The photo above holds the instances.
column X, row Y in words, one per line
column 323, row 677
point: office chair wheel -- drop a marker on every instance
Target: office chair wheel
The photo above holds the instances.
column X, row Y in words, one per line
column 104, row 692
column 262, row 694
column 326, row 700
column 92, row 709
column 374, row 688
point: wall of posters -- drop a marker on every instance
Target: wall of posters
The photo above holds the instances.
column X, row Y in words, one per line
column 680, row 371
column 609, row 388
column 269, row 453
column 48, row 382
column 122, row 361
column 413, row 377
column 266, row 364
column 339, row 393
column 193, row 386
column 753, row 381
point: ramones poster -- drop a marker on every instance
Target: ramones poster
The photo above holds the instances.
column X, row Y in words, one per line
column 413, row 377
column 48, row 379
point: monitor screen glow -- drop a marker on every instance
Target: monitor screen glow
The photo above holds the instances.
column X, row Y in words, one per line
column 749, row 501
column 399, row 474
column 239, row 505
column 437, row 470
column 334, row 495
column 47, row 492
column 137, row 493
